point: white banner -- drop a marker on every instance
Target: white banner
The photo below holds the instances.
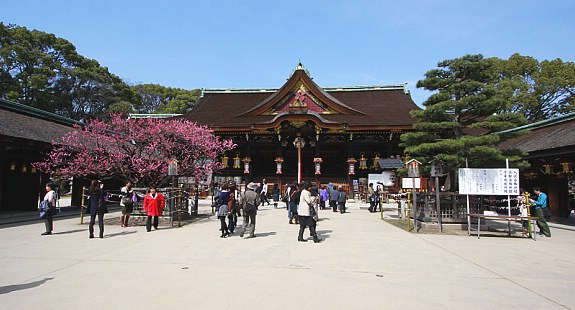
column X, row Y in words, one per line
column 476, row 181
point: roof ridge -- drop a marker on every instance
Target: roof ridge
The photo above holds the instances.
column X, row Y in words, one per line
column 541, row 124
column 32, row 111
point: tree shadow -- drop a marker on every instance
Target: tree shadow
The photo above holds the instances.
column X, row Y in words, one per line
column 18, row 287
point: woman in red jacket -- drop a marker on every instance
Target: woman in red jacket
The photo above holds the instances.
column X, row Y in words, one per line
column 154, row 204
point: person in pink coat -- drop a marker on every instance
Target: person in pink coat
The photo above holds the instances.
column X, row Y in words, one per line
column 154, row 204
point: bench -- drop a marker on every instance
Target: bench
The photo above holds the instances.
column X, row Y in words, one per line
column 508, row 217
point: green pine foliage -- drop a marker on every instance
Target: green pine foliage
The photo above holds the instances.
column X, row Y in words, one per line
column 462, row 117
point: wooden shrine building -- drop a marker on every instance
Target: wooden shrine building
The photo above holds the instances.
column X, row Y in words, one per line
column 304, row 131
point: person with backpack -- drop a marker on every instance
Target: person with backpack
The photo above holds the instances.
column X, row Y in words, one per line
column 48, row 206
column 250, row 203
column 541, row 207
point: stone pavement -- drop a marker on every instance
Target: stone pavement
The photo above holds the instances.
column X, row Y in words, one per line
column 363, row 263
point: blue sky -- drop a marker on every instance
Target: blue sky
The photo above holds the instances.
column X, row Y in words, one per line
column 257, row 44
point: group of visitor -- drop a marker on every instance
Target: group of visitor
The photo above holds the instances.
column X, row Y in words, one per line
column 153, row 205
column 374, row 198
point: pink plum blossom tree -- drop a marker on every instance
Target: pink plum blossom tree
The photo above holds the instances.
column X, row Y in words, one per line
column 138, row 150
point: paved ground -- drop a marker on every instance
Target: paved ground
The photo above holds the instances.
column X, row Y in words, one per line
column 364, row 263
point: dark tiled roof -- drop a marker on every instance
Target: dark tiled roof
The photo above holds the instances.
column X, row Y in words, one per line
column 356, row 108
column 547, row 135
column 391, row 163
column 20, row 122
column 383, row 107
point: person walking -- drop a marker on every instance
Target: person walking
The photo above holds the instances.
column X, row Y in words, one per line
column 264, row 192
column 540, row 206
column 341, row 199
column 294, row 203
column 154, row 204
column 307, row 210
column 126, row 202
column 333, row 195
column 276, row 195
column 250, row 203
column 49, row 207
column 97, row 207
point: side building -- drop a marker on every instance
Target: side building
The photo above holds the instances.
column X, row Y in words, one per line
column 302, row 131
column 550, row 145
column 26, row 135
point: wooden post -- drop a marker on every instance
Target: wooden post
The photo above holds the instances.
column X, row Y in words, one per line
column 83, row 204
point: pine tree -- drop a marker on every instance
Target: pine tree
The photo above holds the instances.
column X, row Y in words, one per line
column 461, row 119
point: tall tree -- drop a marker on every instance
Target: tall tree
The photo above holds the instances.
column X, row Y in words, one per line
column 160, row 99
column 460, row 119
column 537, row 90
column 44, row 71
column 137, row 150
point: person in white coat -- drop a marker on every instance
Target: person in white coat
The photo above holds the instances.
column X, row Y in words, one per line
column 307, row 210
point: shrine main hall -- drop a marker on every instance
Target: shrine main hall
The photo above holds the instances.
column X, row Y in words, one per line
column 302, row 131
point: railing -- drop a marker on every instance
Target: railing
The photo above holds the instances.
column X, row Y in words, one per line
column 453, row 206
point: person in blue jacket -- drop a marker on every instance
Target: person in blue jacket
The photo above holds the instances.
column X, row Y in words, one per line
column 540, row 205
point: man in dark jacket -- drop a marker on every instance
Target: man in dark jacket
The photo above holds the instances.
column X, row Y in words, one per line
column 333, row 195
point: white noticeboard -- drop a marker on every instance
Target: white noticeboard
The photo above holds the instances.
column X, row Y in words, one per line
column 386, row 178
column 408, row 183
column 477, row 181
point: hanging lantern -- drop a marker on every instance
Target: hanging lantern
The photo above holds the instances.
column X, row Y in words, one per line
column 33, row 170
column 362, row 162
column 351, row 162
column 567, row 167
column 24, row 168
column 317, row 162
column 237, row 161
column 246, row 161
column 12, row 167
column 225, row 161
column 548, row 168
column 279, row 162
column 376, row 162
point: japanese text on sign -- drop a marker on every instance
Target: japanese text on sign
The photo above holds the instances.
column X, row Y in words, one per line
column 474, row 181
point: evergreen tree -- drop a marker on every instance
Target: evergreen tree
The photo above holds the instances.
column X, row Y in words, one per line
column 461, row 119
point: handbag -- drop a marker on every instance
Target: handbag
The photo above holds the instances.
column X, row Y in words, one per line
column 126, row 200
column 43, row 208
column 312, row 211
